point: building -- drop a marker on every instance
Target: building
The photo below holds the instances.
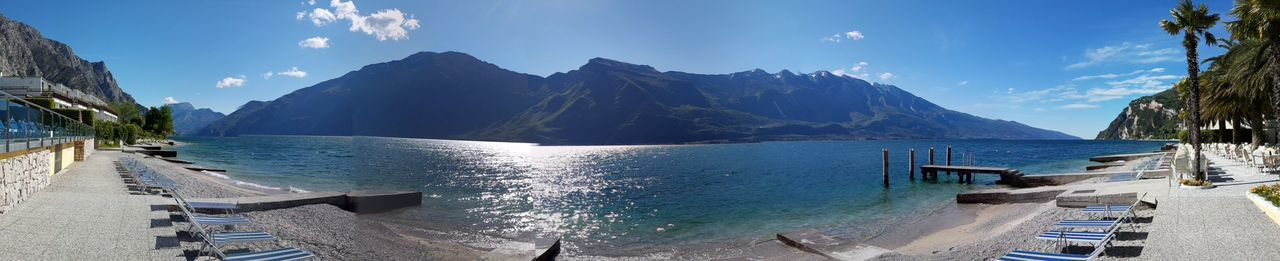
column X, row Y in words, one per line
column 63, row 97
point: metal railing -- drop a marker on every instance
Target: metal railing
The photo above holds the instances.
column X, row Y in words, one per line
column 27, row 125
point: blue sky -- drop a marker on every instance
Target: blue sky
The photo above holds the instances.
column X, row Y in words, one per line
column 1069, row 66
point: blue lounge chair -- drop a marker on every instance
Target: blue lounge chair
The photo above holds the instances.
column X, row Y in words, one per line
column 212, row 242
column 224, row 238
column 207, row 220
column 1105, row 225
column 1116, row 211
column 1020, row 255
column 283, row 254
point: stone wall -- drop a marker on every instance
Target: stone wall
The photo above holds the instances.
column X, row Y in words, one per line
column 22, row 176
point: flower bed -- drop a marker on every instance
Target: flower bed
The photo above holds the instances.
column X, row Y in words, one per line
column 1267, row 198
column 1270, row 193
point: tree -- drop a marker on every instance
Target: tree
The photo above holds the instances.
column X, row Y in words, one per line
column 1193, row 22
column 1259, row 21
column 159, row 121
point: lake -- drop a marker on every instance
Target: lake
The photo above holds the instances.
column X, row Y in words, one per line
column 637, row 200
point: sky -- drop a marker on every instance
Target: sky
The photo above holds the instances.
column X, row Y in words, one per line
column 1069, row 66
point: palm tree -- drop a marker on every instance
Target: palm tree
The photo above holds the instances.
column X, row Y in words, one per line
column 1259, row 21
column 1192, row 21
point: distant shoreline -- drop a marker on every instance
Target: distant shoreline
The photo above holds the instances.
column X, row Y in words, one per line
column 798, row 139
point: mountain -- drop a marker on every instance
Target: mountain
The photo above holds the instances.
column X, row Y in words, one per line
column 453, row 95
column 1147, row 117
column 187, row 119
column 25, row 52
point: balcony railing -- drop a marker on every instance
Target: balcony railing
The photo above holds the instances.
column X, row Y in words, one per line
column 27, row 125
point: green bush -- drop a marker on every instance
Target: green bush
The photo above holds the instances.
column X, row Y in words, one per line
column 47, row 103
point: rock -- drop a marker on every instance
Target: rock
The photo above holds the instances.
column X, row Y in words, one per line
column 25, row 52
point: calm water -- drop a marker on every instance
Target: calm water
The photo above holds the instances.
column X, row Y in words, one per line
column 611, row 200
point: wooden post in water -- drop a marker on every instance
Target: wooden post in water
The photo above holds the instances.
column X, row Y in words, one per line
column 926, row 175
column 886, row 168
column 912, row 165
column 948, row 158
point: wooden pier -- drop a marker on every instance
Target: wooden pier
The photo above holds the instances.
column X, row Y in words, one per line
column 1008, row 176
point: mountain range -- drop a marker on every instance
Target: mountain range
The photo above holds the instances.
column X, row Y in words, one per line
column 26, row 52
column 187, row 119
column 453, row 95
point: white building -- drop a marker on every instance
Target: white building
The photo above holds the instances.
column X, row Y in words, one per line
column 63, row 97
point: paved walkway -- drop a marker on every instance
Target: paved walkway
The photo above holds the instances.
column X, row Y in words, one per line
column 87, row 214
column 1214, row 224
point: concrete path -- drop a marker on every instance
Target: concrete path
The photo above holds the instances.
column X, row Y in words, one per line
column 1214, row 224
column 87, row 214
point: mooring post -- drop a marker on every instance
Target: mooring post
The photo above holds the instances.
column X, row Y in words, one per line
column 912, row 165
column 948, row 158
column 886, row 168
column 927, row 175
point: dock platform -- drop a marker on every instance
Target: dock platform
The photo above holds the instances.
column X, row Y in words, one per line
column 1008, row 176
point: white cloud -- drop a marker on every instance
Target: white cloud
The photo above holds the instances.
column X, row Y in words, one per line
column 962, row 83
column 300, row 16
column 1010, row 90
column 1113, row 75
column 1078, row 106
column 839, row 72
column 311, row 2
column 1127, row 53
column 859, row 67
column 854, row 35
column 836, row 38
column 315, row 43
column 321, row 17
column 293, row 72
column 387, row 24
column 864, row 76
column 886, row 76
column 832, row 39
column 169, row 100
column 236, row 81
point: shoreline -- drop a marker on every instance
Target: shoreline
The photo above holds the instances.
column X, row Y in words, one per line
column 973, row 231
column 926, row 236
column 339, row 235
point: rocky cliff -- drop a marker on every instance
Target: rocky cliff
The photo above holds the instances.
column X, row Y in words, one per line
column 25, row 52
column 1147, row 117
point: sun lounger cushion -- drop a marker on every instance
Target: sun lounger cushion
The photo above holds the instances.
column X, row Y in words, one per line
column 241, row 237
column 220, row 221
column 282, row 254
column 1028, row 255
column 1086, row 223
column 1087, row 237
column 212, row 205
column 1106, row 209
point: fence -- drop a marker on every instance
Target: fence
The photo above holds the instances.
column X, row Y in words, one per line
column 27, row 125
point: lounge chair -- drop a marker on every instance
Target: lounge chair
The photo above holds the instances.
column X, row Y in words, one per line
column 1108, row 210
column 207, row 220
column 1087, row 224
column 214, row 241
column 1029, row 255
column 282, row 254
column 1099, row 240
